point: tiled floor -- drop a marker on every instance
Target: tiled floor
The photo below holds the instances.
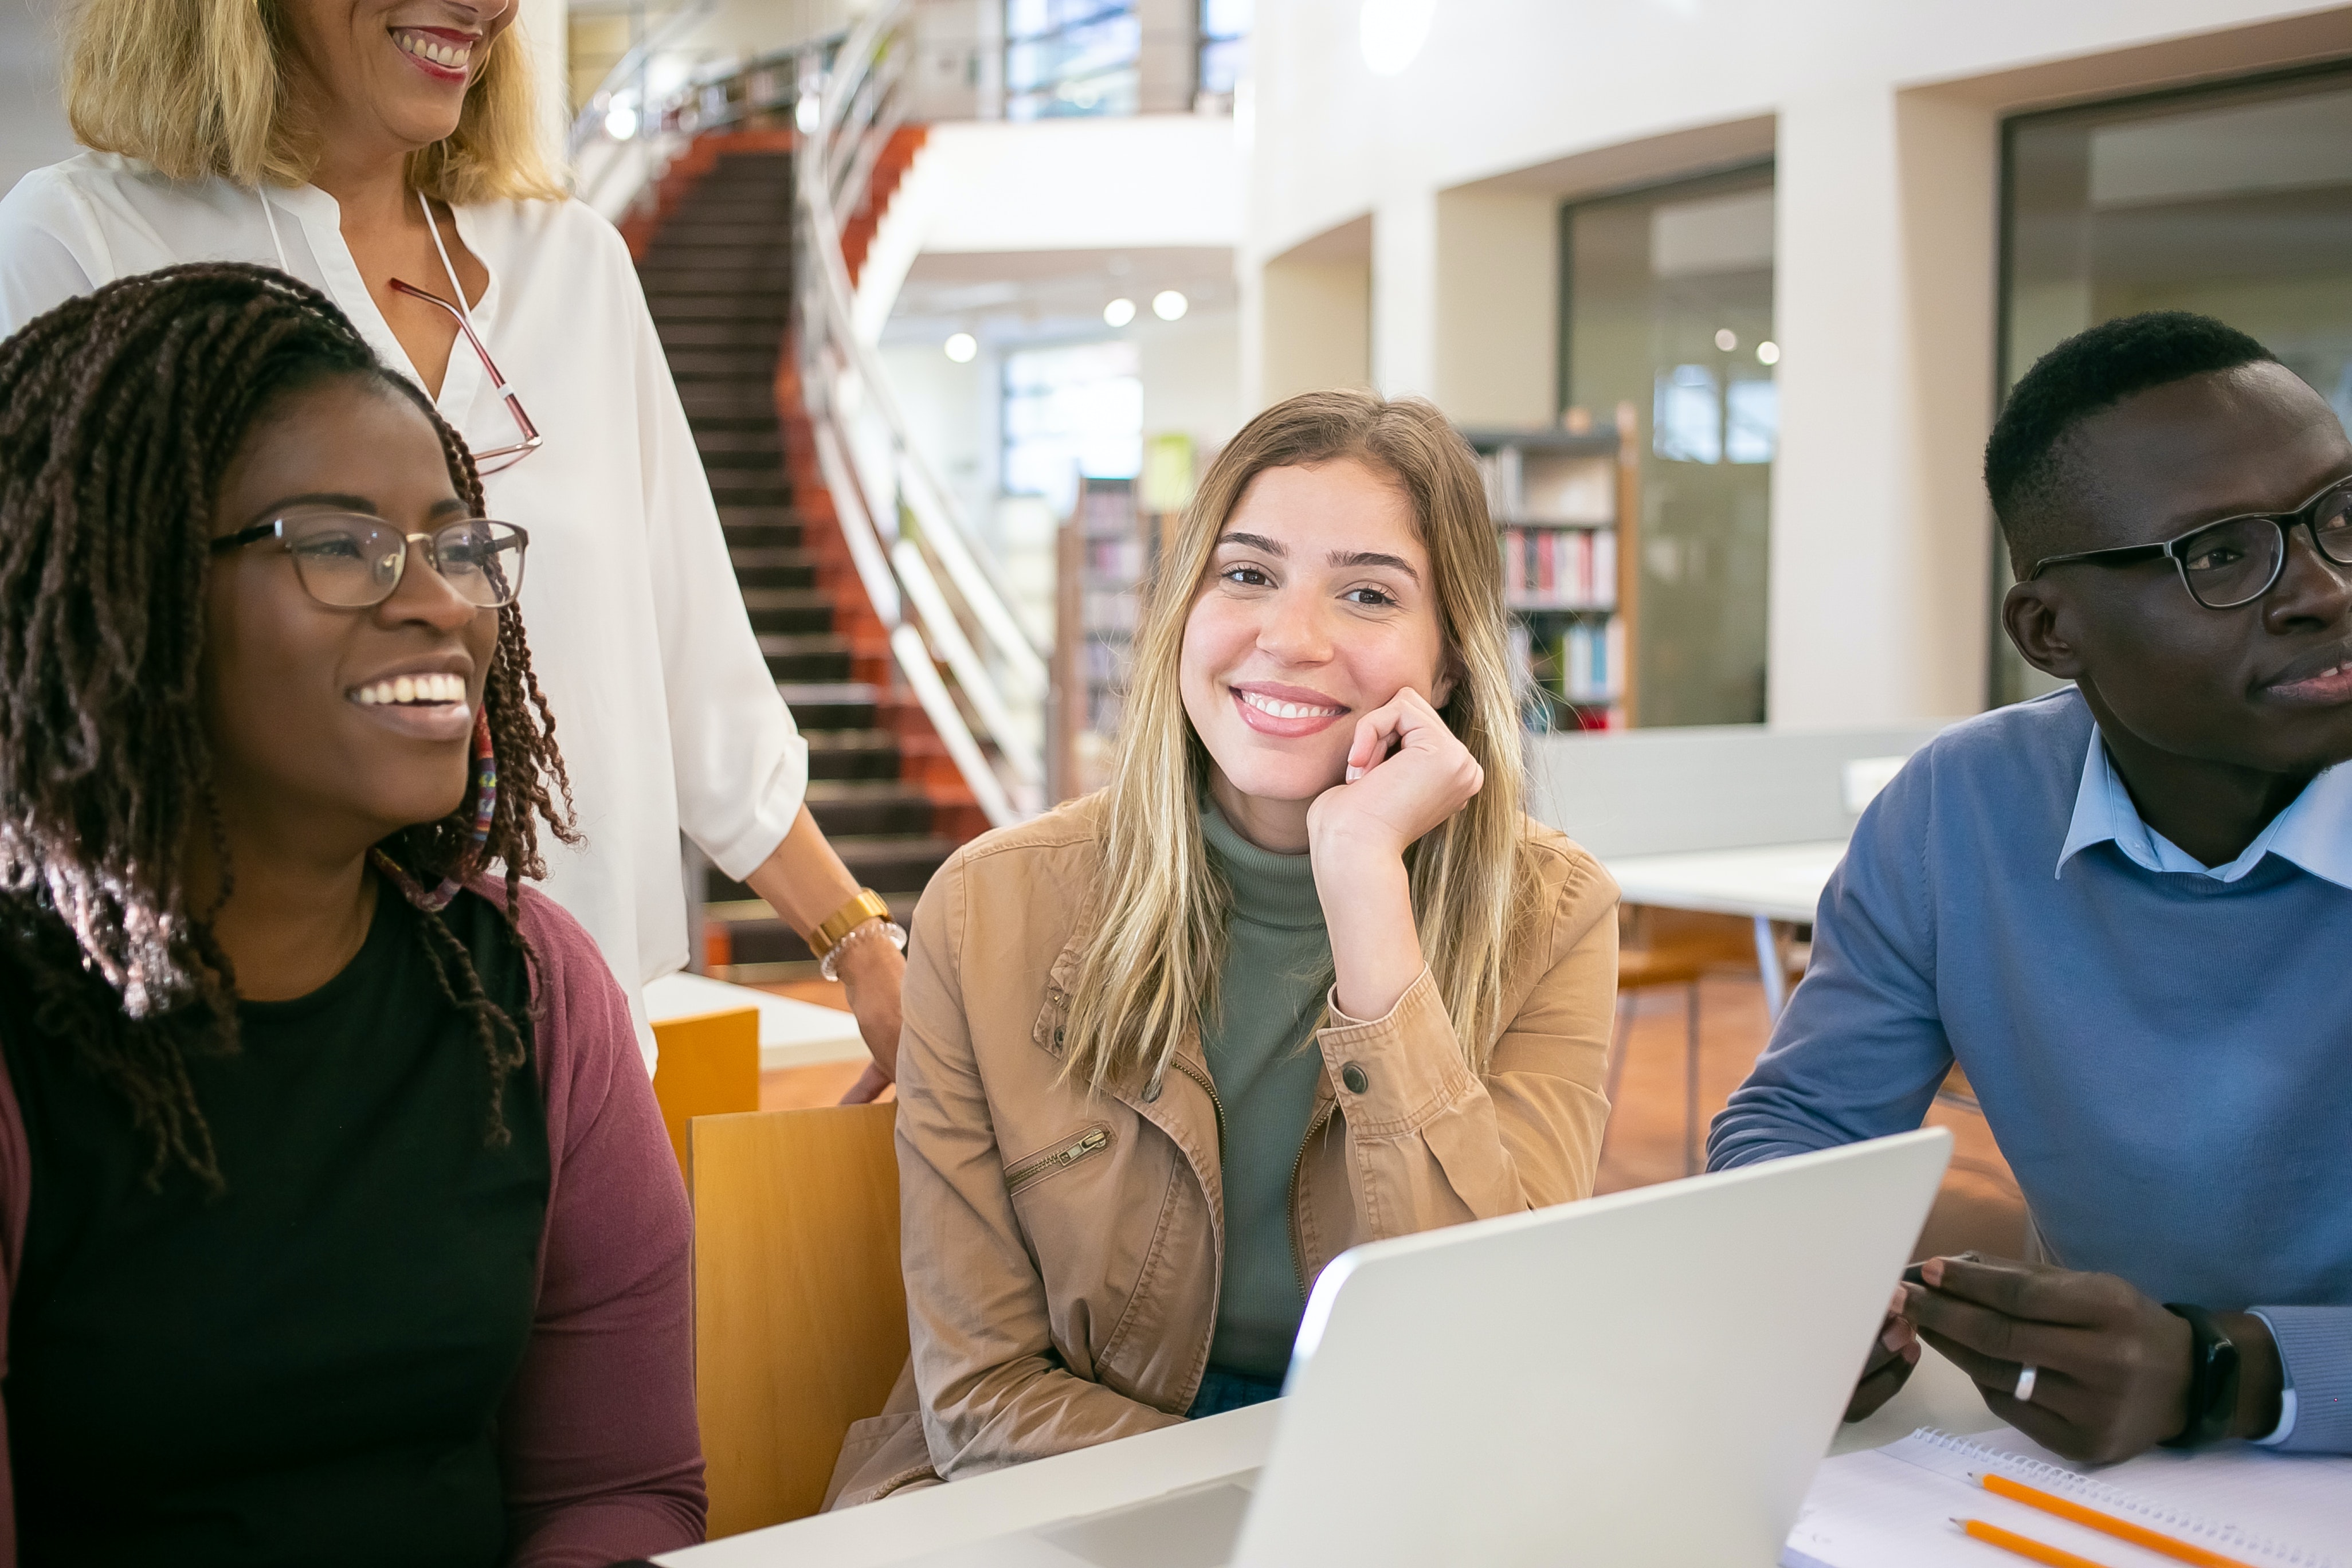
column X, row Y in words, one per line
column 1978, row 1207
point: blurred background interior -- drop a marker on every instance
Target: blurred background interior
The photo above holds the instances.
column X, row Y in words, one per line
column 961, row 295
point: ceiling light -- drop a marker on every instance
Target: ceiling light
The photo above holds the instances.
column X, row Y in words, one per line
column 1767, row 352
column 805, row 113
column 1119, row 312
column 1727, row 340
column 961, row 347
column 1168, row 305
column 620, row 122
column 1391, row 33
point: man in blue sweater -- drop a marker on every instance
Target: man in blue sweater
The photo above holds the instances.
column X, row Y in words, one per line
column 2125, row 909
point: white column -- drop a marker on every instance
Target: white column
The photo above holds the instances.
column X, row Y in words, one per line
column 546, row 27
column 1884, row 290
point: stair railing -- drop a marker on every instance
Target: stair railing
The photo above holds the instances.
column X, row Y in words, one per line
column 931, row 581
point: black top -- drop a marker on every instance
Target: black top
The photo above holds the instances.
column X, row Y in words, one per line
column 309, row 1367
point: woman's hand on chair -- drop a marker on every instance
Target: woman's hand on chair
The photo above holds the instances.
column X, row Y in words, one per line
column 873, row 972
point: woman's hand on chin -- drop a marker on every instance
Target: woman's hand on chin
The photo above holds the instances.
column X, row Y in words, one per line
column 1392, row 798
column 1357, row 833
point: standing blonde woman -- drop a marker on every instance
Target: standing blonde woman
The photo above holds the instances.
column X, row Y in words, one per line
column 387, row 152
column 1303, row 975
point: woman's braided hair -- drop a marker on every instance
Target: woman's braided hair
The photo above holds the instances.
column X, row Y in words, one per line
column 119, row 414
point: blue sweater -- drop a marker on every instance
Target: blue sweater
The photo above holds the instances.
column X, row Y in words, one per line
column 2165, row 1056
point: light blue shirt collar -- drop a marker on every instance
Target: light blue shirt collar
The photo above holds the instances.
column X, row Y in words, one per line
column 2315, row 833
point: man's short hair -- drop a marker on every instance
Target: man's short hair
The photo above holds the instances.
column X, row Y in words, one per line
column 2027, row 467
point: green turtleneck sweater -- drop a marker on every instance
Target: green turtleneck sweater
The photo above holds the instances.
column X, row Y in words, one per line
column 1263, row 1058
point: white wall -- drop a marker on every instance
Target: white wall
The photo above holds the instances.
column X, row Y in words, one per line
column 1884, row 118
column 33, row 131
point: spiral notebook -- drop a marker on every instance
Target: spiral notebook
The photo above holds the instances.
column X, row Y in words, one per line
column 1894, row 1507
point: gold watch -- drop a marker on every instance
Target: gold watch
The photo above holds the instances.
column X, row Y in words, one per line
column 866, row 906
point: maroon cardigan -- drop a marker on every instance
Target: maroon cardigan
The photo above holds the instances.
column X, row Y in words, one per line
column 598, row 1442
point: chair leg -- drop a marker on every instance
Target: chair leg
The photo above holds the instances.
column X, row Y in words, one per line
column 1619, row 1036
column 1690, row 1081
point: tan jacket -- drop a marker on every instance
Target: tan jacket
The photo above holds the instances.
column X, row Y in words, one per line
column 1062, row 1250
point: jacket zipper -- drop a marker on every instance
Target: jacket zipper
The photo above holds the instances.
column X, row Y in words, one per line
column 1298, row 1169
column 1094, row 1141
column 1215, row 1104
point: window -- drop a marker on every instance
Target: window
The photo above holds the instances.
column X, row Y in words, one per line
column 1071, row 57
column 1071, row 411
column 1225, row 50
column 1669, row 308
column 2235, row 202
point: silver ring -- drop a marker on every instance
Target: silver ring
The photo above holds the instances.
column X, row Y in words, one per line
column 2023, row 1391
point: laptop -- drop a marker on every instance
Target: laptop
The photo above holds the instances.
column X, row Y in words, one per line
column 1648, row 1377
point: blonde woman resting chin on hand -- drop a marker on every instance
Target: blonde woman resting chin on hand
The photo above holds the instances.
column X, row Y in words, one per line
column 1303, row 976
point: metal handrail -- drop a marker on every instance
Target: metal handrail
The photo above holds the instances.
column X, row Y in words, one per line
column 992, row 721
column 591, row 118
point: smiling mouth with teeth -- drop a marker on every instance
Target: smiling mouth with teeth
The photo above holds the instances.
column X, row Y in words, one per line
column 1282, row 710
column 449, row 56
column 412, row 691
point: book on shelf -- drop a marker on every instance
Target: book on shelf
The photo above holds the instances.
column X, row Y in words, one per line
column 1560, row 568
column 1592, row 662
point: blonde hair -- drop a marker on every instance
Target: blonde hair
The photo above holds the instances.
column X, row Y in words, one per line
column 198, row 89
column 1150, row 972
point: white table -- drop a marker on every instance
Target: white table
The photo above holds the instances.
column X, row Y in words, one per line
column 1763, row 884
column 1136, row 1470
column 792, row 1034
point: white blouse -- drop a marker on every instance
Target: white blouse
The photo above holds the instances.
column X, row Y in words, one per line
column 665, row 710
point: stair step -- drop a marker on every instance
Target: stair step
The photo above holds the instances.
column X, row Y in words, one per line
column 852, row 753
column 849, row 807
column 820, row 707
column 774, row 568
column 745, row 366
column 732, row 487
column 731, row 334
column 797, row 656
column 751, row 226
column 784, row 612
column 767, row 314
column 723, row 402
column 888, row 863
column 767, row 445
column 761, row 535
column 709, row 254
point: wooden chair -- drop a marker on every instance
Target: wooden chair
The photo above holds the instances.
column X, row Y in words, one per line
column 708, row 1066
column 1666, row 947
column 800, row 1311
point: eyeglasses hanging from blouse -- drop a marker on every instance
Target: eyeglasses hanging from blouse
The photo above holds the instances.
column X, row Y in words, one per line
column 488, row 461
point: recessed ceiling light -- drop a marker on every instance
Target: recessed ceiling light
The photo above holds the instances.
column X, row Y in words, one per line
column 1727, row 340
column 1119, row 312
column 1168, row 305
column 1767, row 352
column 961, row 347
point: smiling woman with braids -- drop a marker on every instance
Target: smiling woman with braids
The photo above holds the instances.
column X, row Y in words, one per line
column 336, row 1219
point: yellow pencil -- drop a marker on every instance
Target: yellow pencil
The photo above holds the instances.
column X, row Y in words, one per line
column 2107, row 1524
column 2024, row 1546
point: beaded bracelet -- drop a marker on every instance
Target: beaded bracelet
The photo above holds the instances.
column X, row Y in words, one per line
column 830, row 964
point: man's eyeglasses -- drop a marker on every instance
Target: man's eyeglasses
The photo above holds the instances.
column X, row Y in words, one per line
column 2234, row 561
column 490, row 461
column 351, row 562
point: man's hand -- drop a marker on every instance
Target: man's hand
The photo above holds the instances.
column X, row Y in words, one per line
column 1892, row 1356
column 2113, row 1374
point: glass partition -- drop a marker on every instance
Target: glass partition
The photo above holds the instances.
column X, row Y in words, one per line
column 2235, row 202
column 1668, row 306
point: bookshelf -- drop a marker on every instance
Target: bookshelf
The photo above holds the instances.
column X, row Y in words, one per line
column 1564, row 504
column 1106, row 553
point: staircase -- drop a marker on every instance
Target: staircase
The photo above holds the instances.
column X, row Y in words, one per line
column 716, row 259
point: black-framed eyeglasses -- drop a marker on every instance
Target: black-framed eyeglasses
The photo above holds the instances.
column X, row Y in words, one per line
column 490, row 459
column 2234, row 561
column 352, row 561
